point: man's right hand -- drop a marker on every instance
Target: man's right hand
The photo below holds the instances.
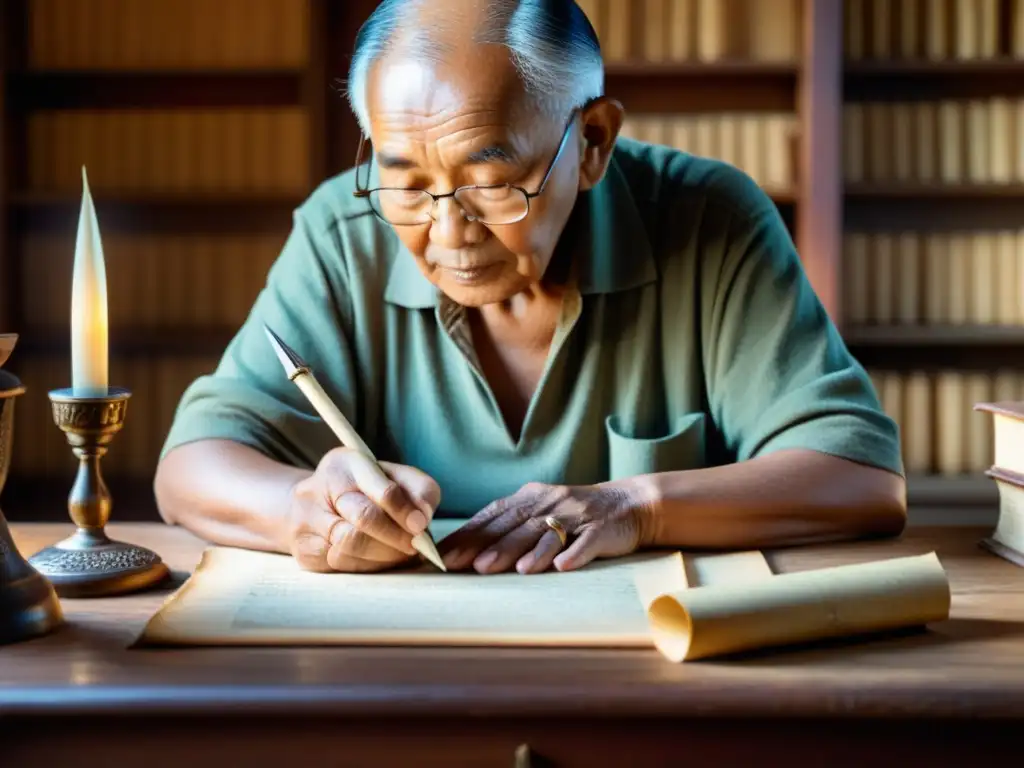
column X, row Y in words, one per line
column 351, row 516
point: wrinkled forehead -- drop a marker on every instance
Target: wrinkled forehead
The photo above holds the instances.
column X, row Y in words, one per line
column 426, row 97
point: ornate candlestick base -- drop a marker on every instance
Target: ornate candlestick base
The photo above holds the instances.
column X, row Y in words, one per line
column 88, row 563
column 28, row 604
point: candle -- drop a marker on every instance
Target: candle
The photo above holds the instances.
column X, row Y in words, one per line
column 88, row 303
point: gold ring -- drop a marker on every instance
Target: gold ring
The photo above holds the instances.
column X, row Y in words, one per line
column 558, row 528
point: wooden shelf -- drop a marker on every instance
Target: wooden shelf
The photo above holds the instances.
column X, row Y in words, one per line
column 702, row 70
column 783, row 196
column 159, row 212
column 95, row 89
column 657, row 87
column 144, row 198
column 919, row 79
column 134, row 342
column 888, row 192
column 951, row 491
column 932, row 68
column 935, row 207
column 44, row 498
column 935, row 348
column 933, row 335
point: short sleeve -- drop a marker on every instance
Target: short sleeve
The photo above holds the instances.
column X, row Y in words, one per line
column 248, row 398
column 779, row 375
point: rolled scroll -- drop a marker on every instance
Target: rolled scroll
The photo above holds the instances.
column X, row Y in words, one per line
column 848, row 600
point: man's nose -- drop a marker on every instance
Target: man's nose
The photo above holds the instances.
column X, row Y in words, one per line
column 450, row 225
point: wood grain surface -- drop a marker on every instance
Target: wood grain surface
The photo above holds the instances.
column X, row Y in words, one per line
column 951, row 690
column 972, row 664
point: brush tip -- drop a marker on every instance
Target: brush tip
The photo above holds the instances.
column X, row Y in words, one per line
column 289, row 358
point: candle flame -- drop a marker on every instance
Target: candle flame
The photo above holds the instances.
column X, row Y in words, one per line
column 89, row 302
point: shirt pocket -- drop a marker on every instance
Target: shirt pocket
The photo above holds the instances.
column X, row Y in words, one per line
column 683, row 448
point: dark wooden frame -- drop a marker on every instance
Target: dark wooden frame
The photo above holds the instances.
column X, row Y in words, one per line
column 6, row 315
column 819, row 219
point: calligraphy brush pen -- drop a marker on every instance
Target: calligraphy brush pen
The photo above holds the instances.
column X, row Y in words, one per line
column 302, row 375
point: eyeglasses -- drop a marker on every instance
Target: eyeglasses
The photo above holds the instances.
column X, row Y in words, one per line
column 491, row 204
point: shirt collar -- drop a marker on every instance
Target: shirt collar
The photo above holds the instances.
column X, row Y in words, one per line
column 612, row 248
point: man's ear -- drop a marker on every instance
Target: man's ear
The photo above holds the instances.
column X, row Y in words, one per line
column 600, row 123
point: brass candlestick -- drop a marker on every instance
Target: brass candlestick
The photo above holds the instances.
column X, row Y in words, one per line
column 28, row 605
column 88, row 563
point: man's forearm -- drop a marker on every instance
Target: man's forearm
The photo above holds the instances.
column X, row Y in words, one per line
column 784, row 498
column 227, row 493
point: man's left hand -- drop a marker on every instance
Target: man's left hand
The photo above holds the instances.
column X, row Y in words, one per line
column 599, row 521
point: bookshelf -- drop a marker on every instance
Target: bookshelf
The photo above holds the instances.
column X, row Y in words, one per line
column 831, row 56
column 188, row 239
column 933, row 299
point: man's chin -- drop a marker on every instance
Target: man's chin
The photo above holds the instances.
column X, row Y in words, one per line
column 477, row 295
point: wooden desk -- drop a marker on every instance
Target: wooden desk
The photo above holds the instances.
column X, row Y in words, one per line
column 950, row 695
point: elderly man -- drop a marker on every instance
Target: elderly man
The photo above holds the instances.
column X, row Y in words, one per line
column 529, row 317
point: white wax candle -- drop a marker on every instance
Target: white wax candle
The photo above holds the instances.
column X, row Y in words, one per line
column 88, row 303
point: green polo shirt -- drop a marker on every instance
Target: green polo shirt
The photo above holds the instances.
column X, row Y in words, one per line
column 694, row 340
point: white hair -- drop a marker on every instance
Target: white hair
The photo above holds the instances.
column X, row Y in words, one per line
column 551, row 43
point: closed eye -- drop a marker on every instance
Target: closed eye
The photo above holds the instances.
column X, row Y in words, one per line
column 494, row 193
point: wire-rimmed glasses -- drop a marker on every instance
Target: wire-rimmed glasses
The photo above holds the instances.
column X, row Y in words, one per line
column 488, row 204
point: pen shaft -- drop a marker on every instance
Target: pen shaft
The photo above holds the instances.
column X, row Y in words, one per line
column 331, row 414
column 336, row 420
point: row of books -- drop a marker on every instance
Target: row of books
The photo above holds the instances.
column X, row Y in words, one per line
column 198, row 34
column 934, row 278
column 168, row 34
column 696, row 30
column 182, row 281
column 156, row 384
column 977, row 141
column 941, row 433
column 268, row 149
column 222, row 150
column 763, row 144
column 932, row 29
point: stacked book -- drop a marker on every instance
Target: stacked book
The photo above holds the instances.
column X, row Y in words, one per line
column 1007, row 470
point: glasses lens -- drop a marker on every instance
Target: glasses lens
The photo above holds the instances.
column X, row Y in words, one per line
column 493, row 205
column 401, row 206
